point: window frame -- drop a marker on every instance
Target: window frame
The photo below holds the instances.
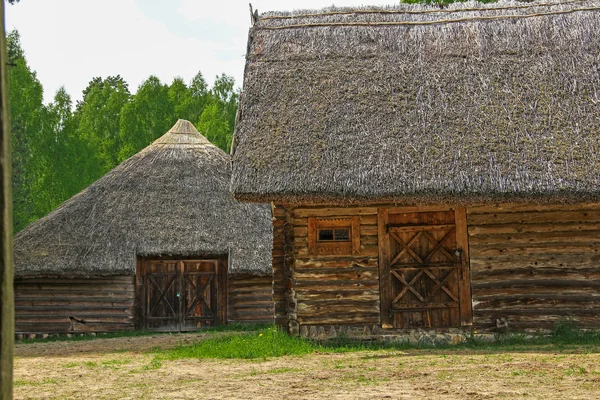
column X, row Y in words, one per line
column 334, row 247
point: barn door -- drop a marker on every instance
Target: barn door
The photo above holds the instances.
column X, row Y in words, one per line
column 182, row 295
column 425, row 270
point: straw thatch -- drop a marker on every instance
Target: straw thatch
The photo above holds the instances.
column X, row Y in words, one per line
column 420, row 104
column 172, row 198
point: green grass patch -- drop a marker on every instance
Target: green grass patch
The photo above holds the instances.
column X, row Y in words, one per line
column 45, row 381
column 125, row 334
column 271, row 342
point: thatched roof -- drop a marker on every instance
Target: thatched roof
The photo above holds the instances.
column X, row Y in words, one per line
column 172, row 198
column 415, row 103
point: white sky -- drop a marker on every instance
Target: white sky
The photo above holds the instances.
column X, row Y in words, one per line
column 68, row 42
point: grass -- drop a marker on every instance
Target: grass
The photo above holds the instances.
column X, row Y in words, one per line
column 272, row 342
column 138, row 333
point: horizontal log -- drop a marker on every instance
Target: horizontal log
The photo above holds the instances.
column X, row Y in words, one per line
column 549, row 238
column 503, row 208
column 526, row 284
column 539, row 273
column 74, row 303
column 534, row 217
column 368, row 230
column 333, row 308
column 97, row 318
column 371, row 251
column 514, row 261
column 70, row 310
column 78, row 281
column 298, row 222
column 540, row 313
column 267, row 304
column 368, row 220
column 340, row 319
column 300, row 232
column 78, row 287
column 355, row 274
column 341, row 212
column 496, row 229
column 74, row 295
column 556, row 248
column 339, row 262
column 354, row 295
column 532, row 289
column 337, row 285
column 537, row 303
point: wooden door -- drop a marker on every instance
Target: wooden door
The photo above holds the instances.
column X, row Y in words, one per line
column 181, row 295
column 424, row 269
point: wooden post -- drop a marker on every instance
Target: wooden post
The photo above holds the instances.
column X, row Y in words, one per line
column 7, row 312
column 385, row 289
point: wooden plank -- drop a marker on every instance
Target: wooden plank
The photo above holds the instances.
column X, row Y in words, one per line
column 368, row 220
column 462, row 244
column 334, row 211
column 520, row 228
column 416, row 228
column 528, row 261
column 312, row 236
column 538, row 273
column 534, row 217
column 365, row 295
column 384, row 267
column 583, row 237
column 323, row 309
column 566, row 248
column 355, row 235
column 503, row 208
column 337, row 285
column 340, row 319
column 355, row 274
column 419, row 209
column 550, row 284
column 341, row 263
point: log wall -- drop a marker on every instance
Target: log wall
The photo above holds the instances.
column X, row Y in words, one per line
column 535, row 266
column 250, row 299
column 53, row 305
column 336, row 289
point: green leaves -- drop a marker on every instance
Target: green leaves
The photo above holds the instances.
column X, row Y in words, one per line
column 58, row 151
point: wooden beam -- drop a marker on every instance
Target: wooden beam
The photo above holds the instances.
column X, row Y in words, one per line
column 7, row 327
column 384, row 267
column 462, row 242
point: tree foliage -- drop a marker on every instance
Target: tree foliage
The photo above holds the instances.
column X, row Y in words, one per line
column 58, row 149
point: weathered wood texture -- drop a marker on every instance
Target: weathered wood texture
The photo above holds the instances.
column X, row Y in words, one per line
column 535, row 265
column 250, row 299
column 181, row 295
column 428, row 269
column 337, row 289
column 282, row 231
column 52, row 305
column 6, row 227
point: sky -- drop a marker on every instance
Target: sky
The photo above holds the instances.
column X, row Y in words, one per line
column 69, row 42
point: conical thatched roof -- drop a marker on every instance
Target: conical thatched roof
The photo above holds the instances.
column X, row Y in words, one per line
column 415, row 103
column 172, row 198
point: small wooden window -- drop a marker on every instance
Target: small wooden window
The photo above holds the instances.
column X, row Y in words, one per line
column 334, row 236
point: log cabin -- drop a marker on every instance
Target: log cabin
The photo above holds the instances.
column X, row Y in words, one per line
column 429, row 169
column 156, row 244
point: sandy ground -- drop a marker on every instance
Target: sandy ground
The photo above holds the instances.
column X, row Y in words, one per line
column 123, row 368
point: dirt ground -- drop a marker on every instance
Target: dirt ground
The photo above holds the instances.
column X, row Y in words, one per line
column 122, row 368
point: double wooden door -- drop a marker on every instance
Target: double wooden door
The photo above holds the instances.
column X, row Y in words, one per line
column 181, row 295
column 424, row 269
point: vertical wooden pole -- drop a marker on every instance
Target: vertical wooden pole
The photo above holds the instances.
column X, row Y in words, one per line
column 384, row 268
column 464, row 287
column 7, row 312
